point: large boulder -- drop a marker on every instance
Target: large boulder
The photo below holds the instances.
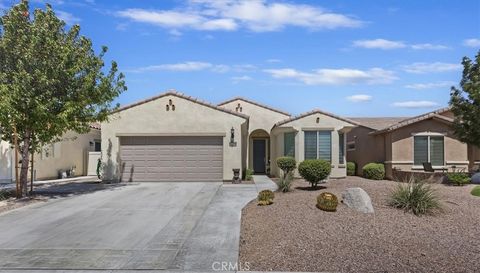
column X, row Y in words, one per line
column 357, row 199
column 476, row 178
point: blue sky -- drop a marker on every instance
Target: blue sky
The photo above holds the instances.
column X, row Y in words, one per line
column 352, row 58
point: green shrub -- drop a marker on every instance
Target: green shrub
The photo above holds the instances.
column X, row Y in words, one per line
column 265, row 197
column 476, row 191
column 327, row 201
column 248, row 174
column 374, row 171
column 314, row 170
column 351, row 168
column 458, row 178
column 286, row 164
column 285, row 182
column 416, row 197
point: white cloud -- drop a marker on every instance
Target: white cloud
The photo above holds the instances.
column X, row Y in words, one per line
column 471, row 42
column 254, row 15
column 69, row 18
column 389, row 44
column 238, row 79
column 273, row 61
column 416, row 104
column 430, row 85
column 429, row 46
column 335, row 76
column 379, row 44
column 421, row 68
column 175, row 33
column 182, row 67
column 359, row 98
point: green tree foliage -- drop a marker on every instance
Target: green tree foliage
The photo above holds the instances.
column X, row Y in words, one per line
column 51, row 80
column 465, row 103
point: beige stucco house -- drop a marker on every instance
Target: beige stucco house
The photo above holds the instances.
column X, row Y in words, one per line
column 405, row 143
column 173, row 137
column 72, row 151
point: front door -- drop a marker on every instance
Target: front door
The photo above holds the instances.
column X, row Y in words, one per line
column 259, row 151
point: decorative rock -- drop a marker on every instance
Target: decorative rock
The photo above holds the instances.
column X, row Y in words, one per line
column 476, row 178
column 357, row 199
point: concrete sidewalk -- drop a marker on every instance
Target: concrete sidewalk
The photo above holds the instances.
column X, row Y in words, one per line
column 78, row 179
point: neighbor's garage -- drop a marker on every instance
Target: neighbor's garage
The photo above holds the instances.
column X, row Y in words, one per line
column 171, row 158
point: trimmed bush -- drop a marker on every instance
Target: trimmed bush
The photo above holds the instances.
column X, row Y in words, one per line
column 476, row 191
column 458, row 178
column 374, row 171
column 265, row 197
column 327, row 201
column 351, row 168
column 286, row 164
column 314, row 170
column 248, row 174
column 416, row 197
column 285, row 182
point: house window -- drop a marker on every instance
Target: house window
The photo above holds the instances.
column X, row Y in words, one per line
column 98, row 146
column 341, row 148
column 318, row 145
column 289, row 144
column 351, row 146
column 428, row 149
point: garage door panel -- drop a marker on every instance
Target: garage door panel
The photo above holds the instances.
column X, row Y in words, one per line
column 172, row 158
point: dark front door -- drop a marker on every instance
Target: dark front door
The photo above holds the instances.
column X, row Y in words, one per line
column 259, row 151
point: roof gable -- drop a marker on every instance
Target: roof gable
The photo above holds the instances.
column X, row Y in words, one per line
column 377, row 123
column 316, row 111
column 182, row 96
column 437, row 114
column 254, row 103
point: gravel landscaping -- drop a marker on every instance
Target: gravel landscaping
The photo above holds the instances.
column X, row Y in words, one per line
column 293, row 235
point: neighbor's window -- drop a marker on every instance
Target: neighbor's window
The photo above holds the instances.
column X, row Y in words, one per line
column 98, row 146
column 341, row 148
column 289, row 144
column 318, row 145
column 428, row 149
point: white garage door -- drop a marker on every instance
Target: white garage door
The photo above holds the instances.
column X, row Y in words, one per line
column 167, row 159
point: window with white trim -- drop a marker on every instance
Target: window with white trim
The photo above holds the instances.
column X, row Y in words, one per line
column 428, row 149
column 318, row 145
column 341, row 148
column 289, row 144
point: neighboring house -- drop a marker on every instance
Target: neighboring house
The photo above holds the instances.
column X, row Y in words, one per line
column 173, row 137
column 406, row 144
column 71, row 152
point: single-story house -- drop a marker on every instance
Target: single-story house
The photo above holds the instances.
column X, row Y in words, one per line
column 72, row 152
column 173, row 137
column 406, row 143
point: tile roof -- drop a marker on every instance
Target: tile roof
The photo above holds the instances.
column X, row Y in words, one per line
column 255, row 103
column 182, row 96
column 96, row 125
column 315, row 111
column 434, row 114
column 377, row 123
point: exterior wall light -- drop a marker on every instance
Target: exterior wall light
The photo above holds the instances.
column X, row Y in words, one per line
column 232, row 138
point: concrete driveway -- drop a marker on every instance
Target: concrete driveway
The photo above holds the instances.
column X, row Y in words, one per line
column 176, row 226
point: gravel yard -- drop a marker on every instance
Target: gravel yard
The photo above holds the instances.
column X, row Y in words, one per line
column 293, row 235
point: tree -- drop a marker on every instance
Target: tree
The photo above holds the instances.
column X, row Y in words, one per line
column 51, row 81
column 465, row 103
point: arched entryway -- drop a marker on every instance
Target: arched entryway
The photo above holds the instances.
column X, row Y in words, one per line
column 259, row 152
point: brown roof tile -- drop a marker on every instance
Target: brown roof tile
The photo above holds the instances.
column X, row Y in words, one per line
column 377, row 123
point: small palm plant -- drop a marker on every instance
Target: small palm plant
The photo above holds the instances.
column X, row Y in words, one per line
column 415, row 196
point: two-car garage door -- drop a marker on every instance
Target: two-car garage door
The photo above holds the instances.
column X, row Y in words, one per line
column 171, row 158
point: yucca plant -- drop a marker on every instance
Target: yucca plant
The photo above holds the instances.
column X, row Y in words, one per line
column 285, row 182
column 415, row 196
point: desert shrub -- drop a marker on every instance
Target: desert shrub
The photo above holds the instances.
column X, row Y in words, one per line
column 286, row 164
column 314, row 170
column 327, row 201
column 416, row 197
column 351, row 168
column 265, row 197
column 476, row 191
column 285, row 182
column 458, row 178
column 374, row 171
column 248, row 174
